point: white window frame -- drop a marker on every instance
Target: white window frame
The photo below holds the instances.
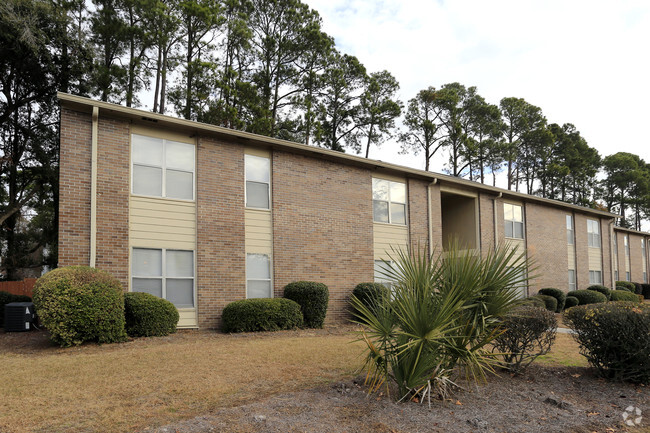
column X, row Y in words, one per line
column 379, row 266
column 569, row 230
column 593, row 237
column 270, row 279
column 572, row 279
column 268, row 160
column 626, row 244
column 390, row 201
column 595, row 277
column 164, row 169
column 513, row 221
column 164, row 276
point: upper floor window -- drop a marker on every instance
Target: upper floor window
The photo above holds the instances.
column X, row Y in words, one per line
column 258, row 181
column 616, row 245
column 514, row 221
column 388, row 201
column 569, row 229
column 626, row 243
column 643, row 248
column 593, row 233
column 162, row 168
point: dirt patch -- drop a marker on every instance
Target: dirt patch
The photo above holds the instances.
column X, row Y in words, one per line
column 544, row 399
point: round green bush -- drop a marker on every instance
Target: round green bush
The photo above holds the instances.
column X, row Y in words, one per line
column 312, row 298
column 638, row 289
column 627, row 285
column 550, row 303
column 624, row 295
column 558, row 294
column 368, row 294
column 601, row 289
column 8, row 298
column 588, row 297
column 623, row 288
column 148, row 315
column 533, row 301
column 79, row 303
column 264, row 314
column 571, row 301
column 615, row 338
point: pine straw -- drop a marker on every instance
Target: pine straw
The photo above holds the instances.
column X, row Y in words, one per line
column 154, row 381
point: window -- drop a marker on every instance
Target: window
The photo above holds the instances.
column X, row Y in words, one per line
column 162, row 168
column 572, row 279
column 388, row 201
column 616, row 276
column 645, row 277
column 615, row 244
column 168, row 274
column 593, row 233
column 595, row 277
column 258, row 181
column 626, row 243
column 514, row 221
column 627, row 276
column 569, row 229
column 258, row 276
column 381, row 268
column 643, row 248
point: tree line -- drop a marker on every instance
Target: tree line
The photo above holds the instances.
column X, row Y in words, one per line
column 267, row 67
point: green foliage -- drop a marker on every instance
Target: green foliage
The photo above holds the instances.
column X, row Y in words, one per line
column 8, row 298
column 550, row 303
column 626, row 285
column 645, row 291
column 79, row 303
column 533, row 301
column 369, row 294
column 312, row 298
column 638, row 289
column 444, row 310
column 601, row 289
column 558, row 294
column 615, row 338
column 588, row 297
column 571, row 301
column 148, row 315
column 253, row 315
column 624, row 295
column 528, row 332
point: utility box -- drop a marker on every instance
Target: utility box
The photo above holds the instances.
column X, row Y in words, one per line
column 19, row 316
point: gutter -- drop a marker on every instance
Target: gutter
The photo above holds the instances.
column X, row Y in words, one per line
column 93, row 189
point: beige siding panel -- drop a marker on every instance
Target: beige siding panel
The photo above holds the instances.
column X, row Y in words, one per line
column 388, row 237
column 571, row 254
column 162, row 223
column 265, row 153
column 187, row 318
column 168, row 243
column 259, row 231
column 595, row 259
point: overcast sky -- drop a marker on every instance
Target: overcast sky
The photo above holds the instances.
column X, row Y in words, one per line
column 581, row 62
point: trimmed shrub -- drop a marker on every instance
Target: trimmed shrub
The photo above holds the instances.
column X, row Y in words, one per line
column 550, row 303
column 601, row 289
column 528, row 332
column 533, row 301
column 638, row 288
column 624, row 289
column 571, row 301
column 615, row 338
column 624, row 295
column 312, row 298
column 147, row 315
column 8, row 298
column 264, row 314
column 628, row 285
column 369, row 293
column 79, row 303
column 588, row 297
column 645, row 291
column 557, row 294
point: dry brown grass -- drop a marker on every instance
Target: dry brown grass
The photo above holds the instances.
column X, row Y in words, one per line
column 564, row 352
column 153, row 381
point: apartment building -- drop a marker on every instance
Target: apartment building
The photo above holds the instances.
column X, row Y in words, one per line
column 203, row 215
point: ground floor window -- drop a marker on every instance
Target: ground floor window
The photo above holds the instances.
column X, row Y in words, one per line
column 615, row 275
column 572, row 279
column 627, row 276
column 645, row 278
column 595, row 277
column 168, row 274
column 258, row 276
column 381, row 269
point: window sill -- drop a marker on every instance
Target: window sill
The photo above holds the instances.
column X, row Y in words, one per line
column 390, row 224
column 257, row 209
column 514, row 239
column 154, row 197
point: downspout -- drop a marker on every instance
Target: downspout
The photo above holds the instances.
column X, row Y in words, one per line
column 494, row 207
column 93, row 189
column 430, row 216
column 611, row 252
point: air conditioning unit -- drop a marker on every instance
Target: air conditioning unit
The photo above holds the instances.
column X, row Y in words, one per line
column 19, row 316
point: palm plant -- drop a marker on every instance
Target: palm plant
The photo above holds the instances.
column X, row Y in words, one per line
column 443, row 311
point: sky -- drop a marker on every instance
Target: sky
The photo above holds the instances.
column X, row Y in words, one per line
column 582, row 62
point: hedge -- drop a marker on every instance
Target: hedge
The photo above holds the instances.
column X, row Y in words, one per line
column 533, row 301
column 8, row 298
column 588, row 297
column 147, row 315
column 624, row 295
column 550, row 303
column 628, row 285
column 313, row 299
column 264, row 314
column 571, row 301
column 602, row 289
column 645, row 290
column 368, row 294
column 558, row 294
column 80, row 303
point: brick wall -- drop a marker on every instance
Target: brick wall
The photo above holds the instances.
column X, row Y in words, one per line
column 621, row 255
column 418, row 215
column 636, row 259
column 582, row 251
column 74, row 188
column 486, row 222
column 221, row 274
column 436, row 218
column 322, row 226
column 607, row 246
column 547, row 246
